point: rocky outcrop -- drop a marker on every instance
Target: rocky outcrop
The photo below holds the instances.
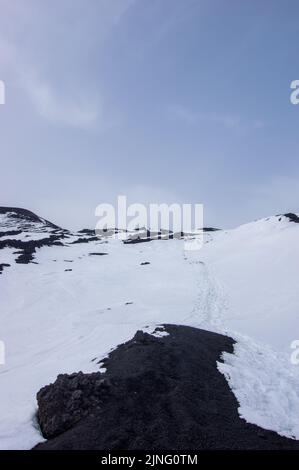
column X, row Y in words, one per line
column 68, row 400
column 157, row 393
column 292, row 217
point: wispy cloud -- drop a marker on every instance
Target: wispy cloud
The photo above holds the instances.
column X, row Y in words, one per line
column 189, row 116
column 58, row 106
column 183, row 114
column 76, row 111
column 230, row 121
column 76, row 102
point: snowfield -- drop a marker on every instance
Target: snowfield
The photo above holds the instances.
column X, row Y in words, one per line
column 65, row 313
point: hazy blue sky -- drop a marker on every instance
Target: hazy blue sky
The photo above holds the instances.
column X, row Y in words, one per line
column 161, row 100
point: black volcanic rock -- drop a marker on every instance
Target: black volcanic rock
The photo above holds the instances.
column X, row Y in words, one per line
column 68, row 400
column 85, row 240
column 21, row 223
column 292, row 217
column 147, row 235
column 28, row 248
column 3, row 265
column 158, row 393
column 133, row 241
column 87, row 231
column 10, row 233
column 211, row 229
column 98, row 254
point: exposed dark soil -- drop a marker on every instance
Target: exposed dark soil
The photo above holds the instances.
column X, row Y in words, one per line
column 87, row 231
column 158, row 393
column 98, row 254
column 10, row 233
column 133, row 241
column 85, row 240
column 26, row 255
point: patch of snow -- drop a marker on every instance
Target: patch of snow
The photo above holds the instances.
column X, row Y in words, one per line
column 265, row 385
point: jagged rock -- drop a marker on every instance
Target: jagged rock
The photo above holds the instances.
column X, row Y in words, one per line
column 163, row 393
column 62, row 404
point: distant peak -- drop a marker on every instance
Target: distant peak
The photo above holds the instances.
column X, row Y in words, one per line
column 24, row 214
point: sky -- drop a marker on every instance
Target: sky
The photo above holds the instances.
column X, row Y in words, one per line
column 184, row 101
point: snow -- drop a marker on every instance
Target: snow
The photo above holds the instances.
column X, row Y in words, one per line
column 242, row 283
column 265, row 385
column 252, row 295
column 24, row 236
column 257, row 267
column 60, row 321
column 7, row 256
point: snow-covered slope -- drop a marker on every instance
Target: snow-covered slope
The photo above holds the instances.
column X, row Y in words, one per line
column 14, row 219
column 79, row 296
column 257, row 267
column 253, row 295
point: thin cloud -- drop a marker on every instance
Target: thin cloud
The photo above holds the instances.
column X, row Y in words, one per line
column 76, row 112
column 230, row 121
column 73, row 104
column 183, row 114
column 188, row 116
